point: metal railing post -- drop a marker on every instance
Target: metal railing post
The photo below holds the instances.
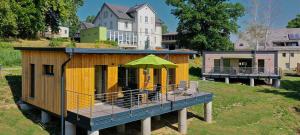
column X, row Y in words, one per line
column 91, row 106
column 130, row 99
column 77, row 106
column 112, row 104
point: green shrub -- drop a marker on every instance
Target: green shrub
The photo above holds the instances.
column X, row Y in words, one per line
column 55, row 42
column 72, row 44
column 108, row 42
column 63, row 39
column 8, row 56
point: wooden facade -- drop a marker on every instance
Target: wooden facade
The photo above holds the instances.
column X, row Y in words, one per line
column 80, row 76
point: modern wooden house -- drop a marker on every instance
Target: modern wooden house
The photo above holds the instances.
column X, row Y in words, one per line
column 95, row 91
column 241, row 64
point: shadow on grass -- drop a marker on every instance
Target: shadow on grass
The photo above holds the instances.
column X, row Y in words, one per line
column 15, row 84
column 195, row 71
column 292, row 89
column 169, row 120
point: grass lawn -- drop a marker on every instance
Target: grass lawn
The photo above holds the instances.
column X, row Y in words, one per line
column 237, row 109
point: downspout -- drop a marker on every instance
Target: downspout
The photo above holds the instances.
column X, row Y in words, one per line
column 62, row 90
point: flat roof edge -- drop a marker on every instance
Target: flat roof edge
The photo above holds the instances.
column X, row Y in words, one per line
column 106, row 51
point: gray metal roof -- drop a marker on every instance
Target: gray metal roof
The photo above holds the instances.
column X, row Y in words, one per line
column 105, row 51
column 119, row 11
column 136, row 7
column 86, row 25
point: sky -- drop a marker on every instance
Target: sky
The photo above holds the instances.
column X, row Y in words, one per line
column 284, row 10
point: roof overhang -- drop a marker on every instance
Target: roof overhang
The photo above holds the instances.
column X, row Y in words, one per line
column 105, row 51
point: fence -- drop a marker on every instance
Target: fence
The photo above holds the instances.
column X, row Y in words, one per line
column 127, row 99
column 242, row 70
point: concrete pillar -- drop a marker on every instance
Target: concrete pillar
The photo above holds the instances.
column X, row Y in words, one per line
column 252, row 82
column 45, row 117
column 121, row 129
column 70, row 129
column 208, row 112
column 276, row 83
column 270, row 81
column 146, row 126
column 203, row 78
column 182, row 118
column 227, row 80
column 157, row 118
column 93, row 133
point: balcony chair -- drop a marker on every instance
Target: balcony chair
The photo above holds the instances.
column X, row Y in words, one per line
column 182, row 87
column 193, row 88
column 155, row 94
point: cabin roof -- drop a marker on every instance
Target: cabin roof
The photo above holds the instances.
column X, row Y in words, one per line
column 240, row 52
column 105, row 51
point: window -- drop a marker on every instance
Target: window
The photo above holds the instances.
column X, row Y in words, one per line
column 111, row 25
column 216, row 68
column 292, row 54
column 172, row 73
column 292, row 44
column 126, row 25
column 146, row 19
column 287, row 65
column 105, row 14
column 66, row 31
column 146, row 31
column 283, row 54
column 48, row 70
column 32, row 80
column 278, row 44
column 241, row 44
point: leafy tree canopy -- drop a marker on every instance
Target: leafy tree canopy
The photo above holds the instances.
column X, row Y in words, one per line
column 25, row 18
column 294, row 23
column 206, row 24
column 164, row 28
column 90, row 18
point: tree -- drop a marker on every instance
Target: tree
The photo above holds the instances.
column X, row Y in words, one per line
column 206, row 24
column 258, row 27
column 90, row 19
column 25, row 18
column 8, row 23
column 164, row 28
column 294, row 23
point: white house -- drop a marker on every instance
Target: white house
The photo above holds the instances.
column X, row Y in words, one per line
column 63, row 33
column 132, row 27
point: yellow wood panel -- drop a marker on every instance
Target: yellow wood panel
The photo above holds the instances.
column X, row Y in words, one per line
column 80, row 77
column 47, row 88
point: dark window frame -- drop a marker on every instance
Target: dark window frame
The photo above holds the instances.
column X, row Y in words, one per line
column 32, row 81
column 48, row 70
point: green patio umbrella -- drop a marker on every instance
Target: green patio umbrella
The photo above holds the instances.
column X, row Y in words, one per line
column 152, row 61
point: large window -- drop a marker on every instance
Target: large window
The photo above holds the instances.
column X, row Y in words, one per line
column 127, row 77
column 32, row 80
column 216, row 67
column 172, row 75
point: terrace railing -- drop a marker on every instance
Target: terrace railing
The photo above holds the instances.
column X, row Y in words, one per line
column 128, row 99
column 242, row 71
column 123, row 37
